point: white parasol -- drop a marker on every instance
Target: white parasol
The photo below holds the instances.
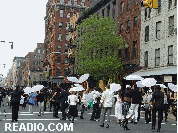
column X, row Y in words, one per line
column 161, row 85
column 133, row 77
column 115, row 87
column 77, row 89
column 37, row 88
column 73, row 79
column 148, row 82
column 27, row 90
column 139, row 84
column 83, row 78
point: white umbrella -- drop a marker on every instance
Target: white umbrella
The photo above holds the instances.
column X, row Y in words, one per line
column 133, row 77
column 175, row 88
column 139, row 84
column 77, row 89
column 27, row 90
column 37, row 87
column 161, row 85
column 73, row 79
column 78, row 85
column 148, row 82
column 83, row 78
column 115, row 87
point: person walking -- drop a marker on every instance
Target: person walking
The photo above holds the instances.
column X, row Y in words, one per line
column 63, row 102
column 135, row 96
column 31, row 101
column 40, row 100
column 146, row 101
column 56, row 102
column 72, row 101
column 107, row 101
column 15, row 100
column 95, row 114
column 158, row 98
column 118, row 107
column 84, row 102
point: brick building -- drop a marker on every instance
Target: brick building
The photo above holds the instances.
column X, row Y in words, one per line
column 58, row 14
column 34, row 65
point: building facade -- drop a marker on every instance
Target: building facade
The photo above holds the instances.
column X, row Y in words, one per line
column 34, row 66
column 58, row 14
column 158, row 42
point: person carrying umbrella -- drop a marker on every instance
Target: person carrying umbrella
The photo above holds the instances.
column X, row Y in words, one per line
column 31, row 101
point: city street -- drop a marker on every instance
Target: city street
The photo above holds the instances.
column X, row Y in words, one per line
column 79, row 126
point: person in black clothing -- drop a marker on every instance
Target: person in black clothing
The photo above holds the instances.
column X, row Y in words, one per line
column 15, row 100
column 166, row 105
column 158, row 99
column 56, row 103
column 63, row 97
column 40, row 100
column 50, row 102
column 126, row 105
column 135, row 96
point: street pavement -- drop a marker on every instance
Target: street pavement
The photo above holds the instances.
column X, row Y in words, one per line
column 47, row 123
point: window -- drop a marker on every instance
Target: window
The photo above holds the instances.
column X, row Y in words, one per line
column 36, row 62
column 61, row 1
column 39, row 57
column 121, row 28
column 60, row 25
column 58, row 59
column 68, row 15
column 58, row 72
column 158, row 29
column 149, row 13
column 83, row 3
column 136, row 2
column 127, row 53
column 65, row 73
column 128, row 25
column 39, row 62
column 171, row 25
column 120, row 53
column 67, row 25
column 66, row 60
column 69, row 2
column 34, row 56
column 159, row 6
column 135, row 21
column 134, row 49
column 61, row 13
column 66, row 48
column 75, row 2
column 170, row 54
column 59, row 48
column 33, row 62
column 146, row 33
column 122, row 7
column 170, row 4
column 40, row 76
column 103, row 13
column 67, row 37
column 146, row 59
column 145, row 13
column 157, row 57
column 128, row 5
column 113, row 10
column 108, row 10
column 60, row 37
column 175, row 3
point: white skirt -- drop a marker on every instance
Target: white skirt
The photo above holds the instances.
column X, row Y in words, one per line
column 118, row 110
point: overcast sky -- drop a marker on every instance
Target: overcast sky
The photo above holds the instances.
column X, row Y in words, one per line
column 22, row 22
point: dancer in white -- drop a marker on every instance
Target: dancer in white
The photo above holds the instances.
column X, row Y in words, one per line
column 118, row 108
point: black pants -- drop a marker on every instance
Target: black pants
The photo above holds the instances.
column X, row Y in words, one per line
column 147, row 115
column 15, row 109
column 139, row 107
column 50, row 105
column 166, row 108
column 95, row 113
column 160, row 116
column 126, row 107
column 64, row 105
column 55, row 109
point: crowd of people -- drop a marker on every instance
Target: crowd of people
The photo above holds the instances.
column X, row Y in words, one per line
column 127, row 103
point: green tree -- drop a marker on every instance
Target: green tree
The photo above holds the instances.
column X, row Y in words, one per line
column 97, row 47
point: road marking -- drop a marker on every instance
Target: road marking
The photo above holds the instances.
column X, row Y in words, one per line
column 173, row 124
column 26, row 114
column 36, row 119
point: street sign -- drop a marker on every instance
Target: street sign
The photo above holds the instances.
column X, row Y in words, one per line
column 167, row 78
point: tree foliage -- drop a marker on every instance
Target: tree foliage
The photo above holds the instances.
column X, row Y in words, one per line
column 97, row 47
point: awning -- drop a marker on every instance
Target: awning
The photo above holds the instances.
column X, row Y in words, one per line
column 157, row 71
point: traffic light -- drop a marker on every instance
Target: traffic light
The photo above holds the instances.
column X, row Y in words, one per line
column 150, row 3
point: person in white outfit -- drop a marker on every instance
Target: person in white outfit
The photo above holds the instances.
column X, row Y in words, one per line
column 72, row 101
column 107, row 101
column 84, row 102
column 118, row 107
